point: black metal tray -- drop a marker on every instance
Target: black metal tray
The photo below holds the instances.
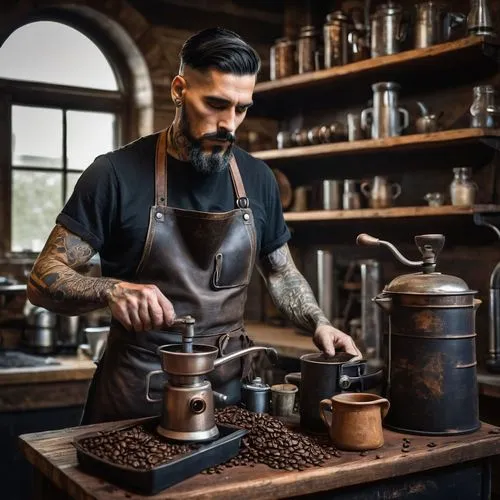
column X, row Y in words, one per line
column 151, row 481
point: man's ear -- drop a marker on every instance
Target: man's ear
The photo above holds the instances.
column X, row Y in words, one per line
column 177, row 89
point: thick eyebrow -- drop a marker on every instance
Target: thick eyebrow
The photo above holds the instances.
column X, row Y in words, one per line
column 226, row 102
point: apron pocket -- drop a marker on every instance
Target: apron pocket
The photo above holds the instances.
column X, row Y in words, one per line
column 230, row 271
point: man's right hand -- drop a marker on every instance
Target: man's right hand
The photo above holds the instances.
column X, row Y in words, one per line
column 140, row 307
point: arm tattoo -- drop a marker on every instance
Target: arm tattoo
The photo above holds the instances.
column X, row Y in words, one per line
column 290, row 291
column 55, row 282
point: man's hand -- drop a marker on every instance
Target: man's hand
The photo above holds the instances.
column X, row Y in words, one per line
column 329, row 339
column 140, row 307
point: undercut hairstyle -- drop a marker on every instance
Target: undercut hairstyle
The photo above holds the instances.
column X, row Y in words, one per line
column 220, row 49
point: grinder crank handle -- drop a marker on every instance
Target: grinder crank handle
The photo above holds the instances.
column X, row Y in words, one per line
column 188, row 335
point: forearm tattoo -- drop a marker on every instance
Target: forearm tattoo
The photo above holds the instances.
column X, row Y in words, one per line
column 290, row 291
column 56, row 282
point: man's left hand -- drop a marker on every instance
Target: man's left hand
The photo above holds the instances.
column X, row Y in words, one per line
column 328, row 339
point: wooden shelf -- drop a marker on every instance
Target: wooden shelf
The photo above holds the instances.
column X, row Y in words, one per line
column 443, row 149
column 431, row 66
column 387, row 213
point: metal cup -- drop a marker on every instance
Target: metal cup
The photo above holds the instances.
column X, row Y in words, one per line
column 283, row 399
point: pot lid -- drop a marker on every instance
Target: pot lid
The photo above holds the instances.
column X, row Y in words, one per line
column 256, row 385
column 428, row 283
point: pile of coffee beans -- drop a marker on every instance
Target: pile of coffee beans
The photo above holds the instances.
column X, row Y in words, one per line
column 138, row 447
column 270, row 442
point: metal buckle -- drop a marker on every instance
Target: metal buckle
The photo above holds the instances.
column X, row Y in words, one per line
column 242, row 202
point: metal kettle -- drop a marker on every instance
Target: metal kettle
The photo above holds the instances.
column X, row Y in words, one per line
column 430, row 345
column 40, row 333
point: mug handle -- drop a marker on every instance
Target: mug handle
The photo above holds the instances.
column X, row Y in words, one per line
column 364, row 117
column 406, row 118
column 325, row 405
column 365, row 189
column 385, row 405
column 396, row 188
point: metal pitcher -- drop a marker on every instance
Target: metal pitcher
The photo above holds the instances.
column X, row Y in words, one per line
column 380, row 192
column 388, row 29
column 433, row 24
column 385, row 115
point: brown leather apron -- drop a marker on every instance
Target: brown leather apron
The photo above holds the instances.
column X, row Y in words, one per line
column 202, row 262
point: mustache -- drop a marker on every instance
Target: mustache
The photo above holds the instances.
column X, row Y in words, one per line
column 221, row 135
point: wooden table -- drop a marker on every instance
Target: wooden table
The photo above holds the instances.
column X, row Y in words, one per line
column 457, row 467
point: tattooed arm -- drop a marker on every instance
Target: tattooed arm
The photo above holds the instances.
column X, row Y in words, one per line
column 56, row 284
column 294, row 298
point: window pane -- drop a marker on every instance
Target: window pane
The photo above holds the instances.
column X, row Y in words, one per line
column 37, row 137
column 72, row 178
column 50, row 52
column 89, row 135
column 36, row 202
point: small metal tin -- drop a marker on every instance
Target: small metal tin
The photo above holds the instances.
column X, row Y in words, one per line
column 255, row 396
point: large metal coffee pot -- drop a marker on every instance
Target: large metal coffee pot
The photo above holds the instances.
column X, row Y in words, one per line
column 188, row 398
column 430, row 346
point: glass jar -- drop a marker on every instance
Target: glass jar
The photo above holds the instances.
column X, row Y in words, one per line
column 483, row 109
column 463, row 189
column 307, row 46
column 282, row 59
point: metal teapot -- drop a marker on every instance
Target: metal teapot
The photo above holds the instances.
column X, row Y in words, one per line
column 430, row 345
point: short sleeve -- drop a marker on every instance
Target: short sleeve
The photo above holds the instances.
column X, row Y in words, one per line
column 276, row 232
column 91, row 209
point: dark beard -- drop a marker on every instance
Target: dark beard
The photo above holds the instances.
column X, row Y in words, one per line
column 203, row 162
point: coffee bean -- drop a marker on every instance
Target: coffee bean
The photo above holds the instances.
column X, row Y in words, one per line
column 378, row 457
column 431, row 445
column 363, row 454
column 405, row 450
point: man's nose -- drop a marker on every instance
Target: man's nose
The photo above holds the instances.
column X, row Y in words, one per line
column 227, row 121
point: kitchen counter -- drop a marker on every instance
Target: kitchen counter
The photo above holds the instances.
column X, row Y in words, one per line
column 51, row 386
column 457, row 467
column 288, row 342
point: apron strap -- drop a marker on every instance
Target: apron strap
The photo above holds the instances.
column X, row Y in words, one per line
column 161, row 174
column 160, row 170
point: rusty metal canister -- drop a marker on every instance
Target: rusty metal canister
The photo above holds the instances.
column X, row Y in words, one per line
column 430, row 356
column 307, row 46
column 335, row 36
column 282, row 59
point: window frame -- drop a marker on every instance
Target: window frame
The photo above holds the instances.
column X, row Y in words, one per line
column 42, row 94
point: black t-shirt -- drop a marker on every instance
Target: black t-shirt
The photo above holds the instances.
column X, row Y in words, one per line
column 109, row 207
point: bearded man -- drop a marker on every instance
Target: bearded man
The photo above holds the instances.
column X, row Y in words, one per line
column 179, row 219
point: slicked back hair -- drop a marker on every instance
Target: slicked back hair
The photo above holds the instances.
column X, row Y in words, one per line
column 220, row 49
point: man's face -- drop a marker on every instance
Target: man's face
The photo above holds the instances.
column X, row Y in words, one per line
column 214, row 106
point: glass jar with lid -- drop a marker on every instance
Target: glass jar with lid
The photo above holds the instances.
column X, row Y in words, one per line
column 483, row 110
column 307, row 46
column 462, row 188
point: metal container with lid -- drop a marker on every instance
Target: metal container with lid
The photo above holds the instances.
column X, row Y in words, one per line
column 430, row 353
column 307, row 46
column 282, row 59
column 255, row 396
column 335, row 37
column 388, row 29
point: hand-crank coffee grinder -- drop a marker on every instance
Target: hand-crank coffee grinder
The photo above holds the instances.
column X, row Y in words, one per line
column 188, row 398
column 430, row 346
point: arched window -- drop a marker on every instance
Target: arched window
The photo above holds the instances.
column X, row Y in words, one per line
column 65, row 105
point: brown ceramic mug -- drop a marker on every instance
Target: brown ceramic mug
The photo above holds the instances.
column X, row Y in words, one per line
column 354, row 420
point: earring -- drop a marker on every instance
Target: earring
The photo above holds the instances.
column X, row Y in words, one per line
column 178, row 103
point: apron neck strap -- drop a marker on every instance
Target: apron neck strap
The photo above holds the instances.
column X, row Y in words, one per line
column 161, row 175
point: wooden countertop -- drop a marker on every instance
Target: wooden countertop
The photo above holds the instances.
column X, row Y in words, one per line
column 71, row 368
column 287, row 341
column 53, row 455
